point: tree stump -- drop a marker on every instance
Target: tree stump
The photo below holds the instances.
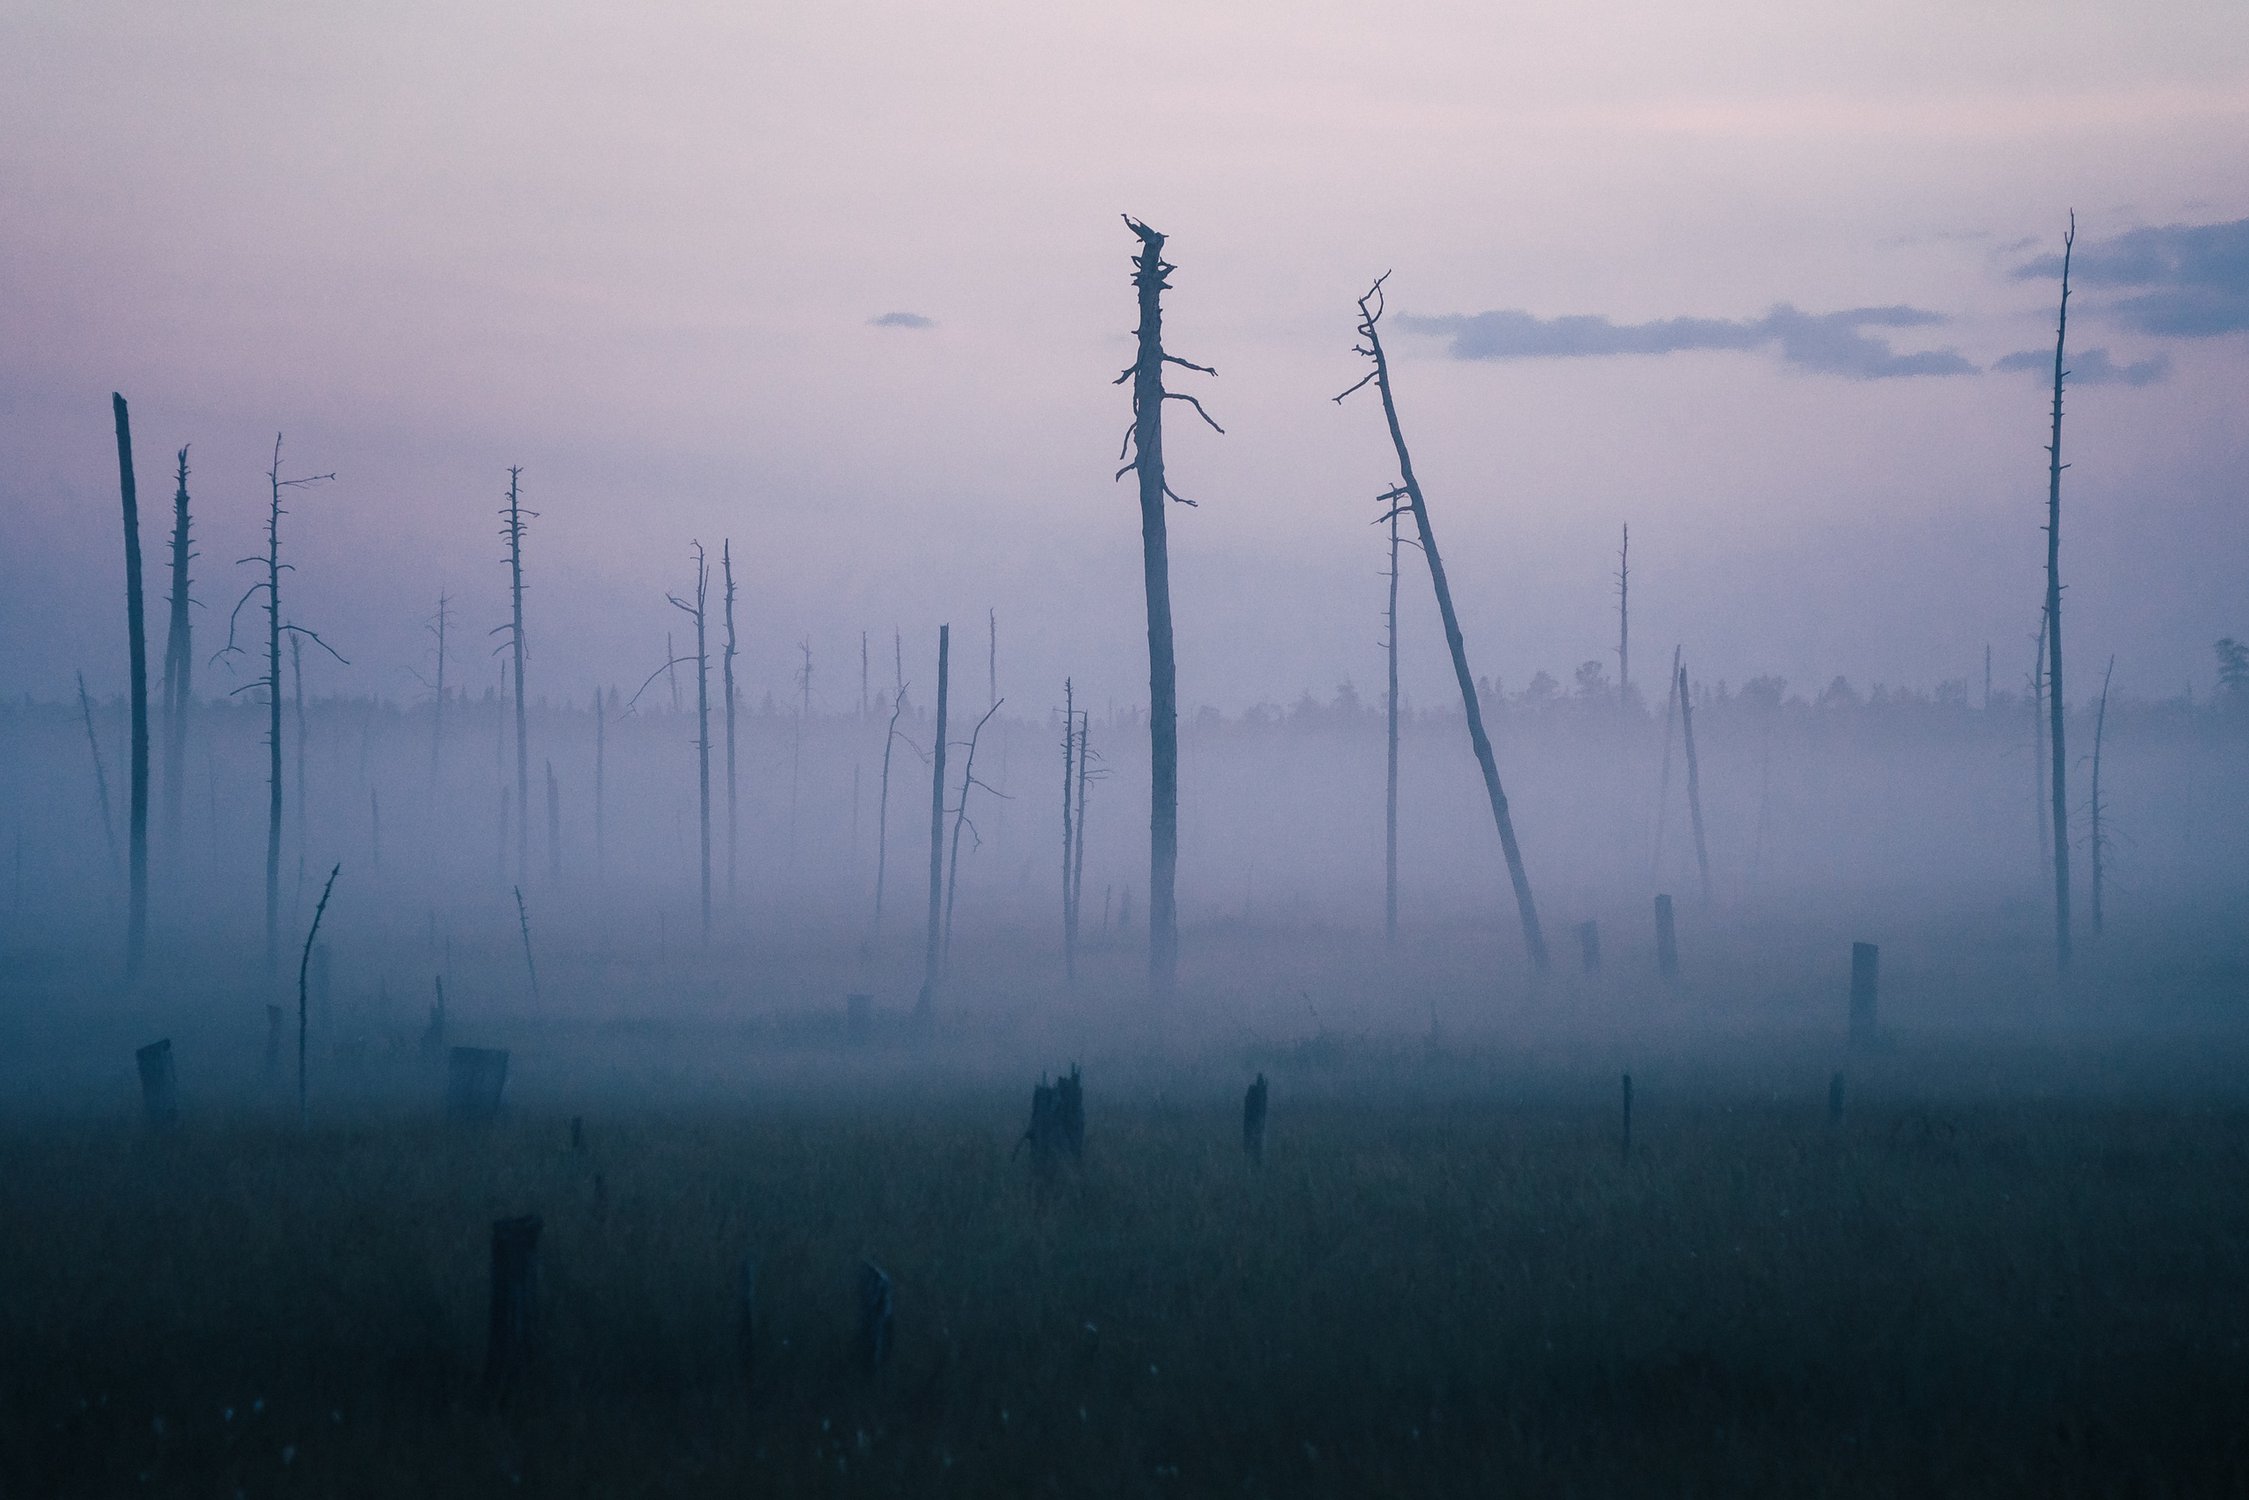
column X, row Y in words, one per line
column 513, row 1335
column 160, row 1099
column 874, row 1315
column 1253, row 1121
column 1667, row 940
column 474, row 1079
column 1866, row 961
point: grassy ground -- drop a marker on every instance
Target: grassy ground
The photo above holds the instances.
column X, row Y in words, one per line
column 1963, row 1287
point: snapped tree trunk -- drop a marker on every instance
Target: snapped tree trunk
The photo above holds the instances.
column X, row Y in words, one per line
column 2054, row 698
column 136, row 852
column 1144, row 443
column 1409, row 490
column 179, row 667
column 929, row 968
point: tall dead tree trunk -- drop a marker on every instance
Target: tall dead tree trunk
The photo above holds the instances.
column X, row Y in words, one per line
column 270, row 587
column 882, row 811
column 297, row 744
column 1408, row 490
column 960, row 821
column 1663, row 782
column 1069, row 829
column 2054, row 695
column 2039, row 764
column 2097, row 837
column 179, row 666
column 1144, row 446
column 511, row 531
column 1390, row 769
column 702, row 719
column 929, row 969
column 726, row 562
column 1694, row 784
column 136, row 850
column 101, row 780
column 1624, row 621
column 1077, row 864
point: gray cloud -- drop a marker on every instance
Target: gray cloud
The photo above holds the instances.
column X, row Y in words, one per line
column 902, row 320
column 2089, row 367
column 1834, row 343
column 2183, row 280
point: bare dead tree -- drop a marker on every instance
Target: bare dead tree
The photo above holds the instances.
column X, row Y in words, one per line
column 101, row 779
column 297, row 724
column 437, row 627
column 136, row 920
column 726, row 562
column 1390, row 736
column 2097, row 834
column 179, row 664
column 1663, row 783
column 1144, row 452
column 702, row 718
column 270, row 587
column 961, row 821
column 929, row 970
column 1408, row 492
column 2054, row 698
column 1624, row 621
column 512, row 519
column 2039, row 762
column 304, row 1009
column 882, row 811
column 523, row 924
column 1077, row 864
column 1069, row 828
column 1694, row 783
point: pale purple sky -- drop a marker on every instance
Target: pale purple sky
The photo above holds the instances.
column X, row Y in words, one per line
column 642, row 252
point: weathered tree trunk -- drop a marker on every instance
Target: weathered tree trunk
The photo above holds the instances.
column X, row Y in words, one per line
column 2094, row 811
column 523, row 924
column 1069, row 829
column 2054, row 692
column 726, row 562
column 1409, row 490
column 882, row 812
column 1077, row 864
column 960, row 819
column 702, row 719
column 273, row 715
column 1146, row 446
column 1624, row 621
column 298, row 744
column 1694, row 784
column 136, row 850
column 2038, row 759
column 304, row 1002
column 929, row 970
column 1663, row 783
column 512, row 530
column 101, row 779
column 179, row 668
column 1390, row 778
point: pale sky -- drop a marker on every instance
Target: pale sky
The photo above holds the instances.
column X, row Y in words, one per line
column 642, row 252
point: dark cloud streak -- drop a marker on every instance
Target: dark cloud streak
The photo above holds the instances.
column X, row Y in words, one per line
column 1834, row 343
column 2088, row 367
column 901, row 320
column 2185, row 280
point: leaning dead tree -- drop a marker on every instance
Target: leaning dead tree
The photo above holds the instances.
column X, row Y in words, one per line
column 512, row 518
column 961, row 821
column 726, row 564
column 1144, row 452
column 179, row 665
column 930, row 956
column 270, row 587
column 702, row 660
column 2097, row 834
column 2054, row 467
column 136, row 850
column 1407, row 492
column 101, row 779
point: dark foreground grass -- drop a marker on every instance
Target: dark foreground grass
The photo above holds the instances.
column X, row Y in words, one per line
column 1466, row 1298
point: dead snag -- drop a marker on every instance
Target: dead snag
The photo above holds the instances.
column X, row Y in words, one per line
column 1694, row 784
column 2054, row 467
column 698, row 613
column 930, row 967
column 2097, row 834
column 136, row 644
column 1408, row 492
column 304, row 1007
column 512, row 520
column 1144, row 450
column 960, row 821
column 179, row 666
column 726, row 565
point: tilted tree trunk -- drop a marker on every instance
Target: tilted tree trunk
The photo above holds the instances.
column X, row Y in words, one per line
column 1409, row 490
column 1390, row 776
column 929, row 969
column 136, row 852
column 1144, row 444
column 1694, row 784
column 726, row 562
column 702, row 719
column 2097, row 839
column 512, row 532
column 179, row 667
column 2054, row 694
